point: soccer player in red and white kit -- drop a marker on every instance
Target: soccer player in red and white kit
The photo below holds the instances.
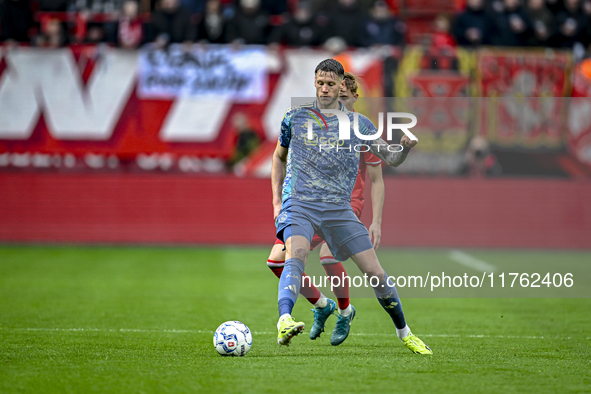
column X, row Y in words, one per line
column 323, row 306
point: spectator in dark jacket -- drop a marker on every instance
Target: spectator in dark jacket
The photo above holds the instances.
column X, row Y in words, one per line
column 299, row 30
column 172, row 23
column 474, row 26
column 542, row 22
column 381, row 28
column 15, row 20
column 213, row 26
column 346, row 21
column 513, row 25
column 250, row 25
column 586, row 32
column 570, row 24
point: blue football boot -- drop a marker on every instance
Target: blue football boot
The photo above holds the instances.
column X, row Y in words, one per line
column 342, row 328
column 320, row 316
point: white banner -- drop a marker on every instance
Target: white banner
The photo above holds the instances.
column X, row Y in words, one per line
column 204, row 71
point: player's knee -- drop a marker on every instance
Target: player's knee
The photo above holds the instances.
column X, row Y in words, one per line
column 378, row 273
column 300, row 253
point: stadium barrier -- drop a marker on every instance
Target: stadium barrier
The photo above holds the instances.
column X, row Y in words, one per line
column 181, row 209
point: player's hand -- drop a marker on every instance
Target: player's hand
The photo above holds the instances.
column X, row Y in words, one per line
column 406, row 142
column 375, row 234
column 276, row 210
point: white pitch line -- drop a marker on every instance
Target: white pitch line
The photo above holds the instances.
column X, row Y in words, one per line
column 106, row 330
column 274, row 333
column 471, row 262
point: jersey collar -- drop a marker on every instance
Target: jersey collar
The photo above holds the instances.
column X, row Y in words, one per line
column 341, row 106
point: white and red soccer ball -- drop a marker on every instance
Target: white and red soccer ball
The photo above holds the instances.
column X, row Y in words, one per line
column 232, row 338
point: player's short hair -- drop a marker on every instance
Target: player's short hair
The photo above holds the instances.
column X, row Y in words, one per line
column 351, row 82
column 331, row 66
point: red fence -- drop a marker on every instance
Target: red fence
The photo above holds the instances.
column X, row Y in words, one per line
column 520, row 213
column 178, row 209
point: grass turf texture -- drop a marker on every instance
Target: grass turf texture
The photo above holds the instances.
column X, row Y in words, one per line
column 94, row 319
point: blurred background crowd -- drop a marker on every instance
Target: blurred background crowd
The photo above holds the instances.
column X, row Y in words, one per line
column 360, row 23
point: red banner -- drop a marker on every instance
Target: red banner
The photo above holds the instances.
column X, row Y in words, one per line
column 534, row 73
column 439, row 86
column 526, row 110
column 78, row 108
column 579, row 125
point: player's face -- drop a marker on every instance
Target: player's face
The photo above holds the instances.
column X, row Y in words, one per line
column 347, row 97
column 328, row 88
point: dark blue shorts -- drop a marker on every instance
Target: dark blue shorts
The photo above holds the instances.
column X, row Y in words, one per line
column 336, row 223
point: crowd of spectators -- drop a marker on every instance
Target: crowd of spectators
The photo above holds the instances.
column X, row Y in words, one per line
column 515, row 23
column 119, row 22
column 360, row 23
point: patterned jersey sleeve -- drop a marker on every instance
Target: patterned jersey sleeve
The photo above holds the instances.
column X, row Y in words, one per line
column 366, row 127
column 285, row 133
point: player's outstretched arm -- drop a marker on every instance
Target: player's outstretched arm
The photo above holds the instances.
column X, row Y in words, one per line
column 277, row 176
column 392, row 157
column 377, row 203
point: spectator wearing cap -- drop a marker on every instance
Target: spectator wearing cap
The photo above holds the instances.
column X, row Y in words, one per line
column 474, row 26
column 249, row 25
column 382, row 28
column 299, row 30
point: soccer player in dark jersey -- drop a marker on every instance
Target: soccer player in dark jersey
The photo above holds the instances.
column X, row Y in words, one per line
column 323, row 306
column 312, row 177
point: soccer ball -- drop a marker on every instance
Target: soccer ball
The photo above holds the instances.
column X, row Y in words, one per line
column 232, row 338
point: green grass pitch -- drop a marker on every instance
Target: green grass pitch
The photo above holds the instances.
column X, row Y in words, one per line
column 140, row 320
